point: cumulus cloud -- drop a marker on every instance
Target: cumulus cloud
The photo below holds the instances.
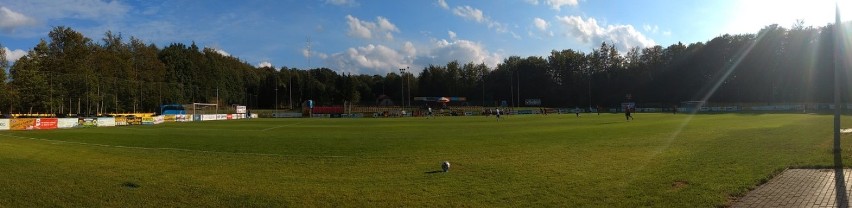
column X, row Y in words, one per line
column 443, row 4
column 555, row 4
column 9, row 20
column 220, row 51
column 342, row 2
column 464, row 51
column 623, row 37
column 558, row 4
column 14, row 55
column 373, row 59
column 452, row 34
column 264, row 64
column 470, row 13
column 369, row 30
column 540, row 24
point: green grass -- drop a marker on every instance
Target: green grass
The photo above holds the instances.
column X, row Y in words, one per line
column 657, row 160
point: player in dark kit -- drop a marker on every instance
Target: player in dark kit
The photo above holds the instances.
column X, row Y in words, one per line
column 627, row 113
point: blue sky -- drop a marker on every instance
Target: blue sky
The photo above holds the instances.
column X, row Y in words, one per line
column 378, row 37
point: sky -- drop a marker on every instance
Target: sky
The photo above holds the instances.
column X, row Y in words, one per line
column 379, row 37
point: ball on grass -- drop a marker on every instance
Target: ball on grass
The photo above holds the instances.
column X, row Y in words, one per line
column 445, row 166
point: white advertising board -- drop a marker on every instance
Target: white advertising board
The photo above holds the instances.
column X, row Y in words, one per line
column 4, row 124
column 106, row 121
column 67, row 123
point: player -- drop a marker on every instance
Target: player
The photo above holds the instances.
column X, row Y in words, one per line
column 497, row 113
column 627, row 113
column 429, row 113
column 577, row 111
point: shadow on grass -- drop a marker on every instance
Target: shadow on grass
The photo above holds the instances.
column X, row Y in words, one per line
column 434, row 171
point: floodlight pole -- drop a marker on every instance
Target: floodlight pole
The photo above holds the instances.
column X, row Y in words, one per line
column 408, row 82
column 402, row 88
column 837, row 67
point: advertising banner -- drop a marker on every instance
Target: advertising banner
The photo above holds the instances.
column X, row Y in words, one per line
column 208, row 117
column 169, row 118
column 21, row 123
column 106, row 121
column 241, row 109
column 221, row 117
column 197, row 117
column 87, row 122
column 147, row 120
column 230, row 117
column 120, row 121
column 45, row 123
column 67, row 123
column 4, row 124
column 159, row 119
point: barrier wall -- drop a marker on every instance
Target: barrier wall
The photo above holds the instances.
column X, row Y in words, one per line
column 4, row 124
column 66, row 123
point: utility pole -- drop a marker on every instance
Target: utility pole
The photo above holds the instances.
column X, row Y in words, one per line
column 837, row 67
column 408, row 82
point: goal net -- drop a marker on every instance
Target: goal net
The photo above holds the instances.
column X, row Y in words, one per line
column 205, row 108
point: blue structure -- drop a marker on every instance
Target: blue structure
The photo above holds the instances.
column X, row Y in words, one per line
column 172, row 109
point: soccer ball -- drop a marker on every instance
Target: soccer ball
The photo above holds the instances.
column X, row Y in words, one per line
column 445, row 166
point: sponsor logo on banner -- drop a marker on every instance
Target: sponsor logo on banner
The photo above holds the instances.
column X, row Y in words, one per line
column 230, row 116
column 87, row 122
column 147, row 120
column 241, row 109
column 121, row 121
column 4, row 124
column 22, row 123
column 170, row 118
column 45, row 123
column 158, row 119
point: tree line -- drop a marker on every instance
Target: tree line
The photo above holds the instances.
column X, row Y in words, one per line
column 71, row 73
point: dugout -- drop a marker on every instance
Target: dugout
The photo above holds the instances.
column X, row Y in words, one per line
column 172, row 109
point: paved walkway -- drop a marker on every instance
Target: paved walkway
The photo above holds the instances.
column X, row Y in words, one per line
column 800, row 188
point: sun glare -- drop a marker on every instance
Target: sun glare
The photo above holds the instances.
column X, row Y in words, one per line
column 750, row 16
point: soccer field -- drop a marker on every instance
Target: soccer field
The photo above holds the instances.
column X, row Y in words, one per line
column 658, row 160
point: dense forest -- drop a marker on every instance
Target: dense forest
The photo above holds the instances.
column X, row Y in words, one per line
column 71, row 73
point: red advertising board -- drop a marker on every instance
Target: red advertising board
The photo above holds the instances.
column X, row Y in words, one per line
column 46, row 123
column 230, row 116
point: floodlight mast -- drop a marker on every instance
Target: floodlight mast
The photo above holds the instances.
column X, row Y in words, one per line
column 837, row 67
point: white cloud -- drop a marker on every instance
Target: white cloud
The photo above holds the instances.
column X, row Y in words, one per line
column 650, row 28
column 540, row 24
column 452, row 34
column 14, row 55
column 588, row 31
column 373, row 59
column 667, row 33
column 342, row 2
column 368, row 30
column 443, row 4
column 470, row 13
column 220, row 51
column 9, row 20
column 555, row 4
column 558, row 4
column 264, row 64
column 464, row 51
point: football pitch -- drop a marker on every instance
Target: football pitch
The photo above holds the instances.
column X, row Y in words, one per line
column 657, row 160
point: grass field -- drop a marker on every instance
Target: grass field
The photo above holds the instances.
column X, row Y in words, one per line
column 657, row 160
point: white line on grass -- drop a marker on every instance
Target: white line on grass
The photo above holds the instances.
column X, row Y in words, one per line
column 293, row 124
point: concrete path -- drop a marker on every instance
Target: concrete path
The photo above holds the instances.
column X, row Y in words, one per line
column 801, row 188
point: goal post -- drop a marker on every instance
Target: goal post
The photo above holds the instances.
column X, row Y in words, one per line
column 203, row 107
